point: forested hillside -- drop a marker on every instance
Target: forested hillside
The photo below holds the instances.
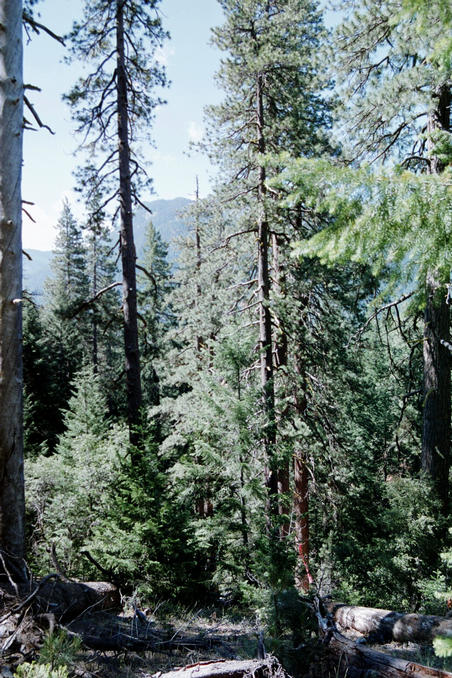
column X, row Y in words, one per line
column 166, row 217
column 247, row 404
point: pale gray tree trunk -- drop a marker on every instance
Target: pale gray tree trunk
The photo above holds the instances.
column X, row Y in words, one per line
column 11, row 434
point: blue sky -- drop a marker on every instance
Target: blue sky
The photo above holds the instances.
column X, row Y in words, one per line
column 49, row 160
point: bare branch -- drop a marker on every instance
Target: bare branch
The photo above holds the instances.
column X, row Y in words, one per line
column 149, row 275
column 247, row 282
column 37, row 27
column 32, row 110
column 93, row 299
column 380, row 310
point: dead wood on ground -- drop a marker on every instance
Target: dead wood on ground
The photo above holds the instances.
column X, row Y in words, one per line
column 353, row 659
column 107, row 632
column 255, row 668
column 387, row 625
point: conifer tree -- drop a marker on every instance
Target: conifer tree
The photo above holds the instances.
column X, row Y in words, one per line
column 393, row 63
column 102, row 305
column 68, row 490
column 111, row 104
column 153, row 295
column 101, row 271
column 271, row 83
column 66, row 328
column 40, row 424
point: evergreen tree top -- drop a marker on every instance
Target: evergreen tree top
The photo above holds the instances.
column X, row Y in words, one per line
column 390, row 59
column 273, row 46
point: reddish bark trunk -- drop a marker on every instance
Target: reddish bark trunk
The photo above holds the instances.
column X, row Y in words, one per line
column 303, row 576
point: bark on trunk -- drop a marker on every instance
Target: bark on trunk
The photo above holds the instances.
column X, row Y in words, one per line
column 265, row 333
column 11, row 434
column 386, row 625
column 437, row 362
column 128, row 254
column 344, row 658
column 280, row 361
column 303, row 578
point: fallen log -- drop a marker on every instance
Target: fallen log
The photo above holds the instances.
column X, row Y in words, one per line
column 386, row 625
column 345, row 657
column 107, row 632
column 49, row 603
column 67, row 600
column 255, row 668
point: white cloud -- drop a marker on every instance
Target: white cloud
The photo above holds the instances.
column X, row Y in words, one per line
column 195, row 131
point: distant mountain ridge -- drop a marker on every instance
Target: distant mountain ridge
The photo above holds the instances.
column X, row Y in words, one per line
column 166, row 217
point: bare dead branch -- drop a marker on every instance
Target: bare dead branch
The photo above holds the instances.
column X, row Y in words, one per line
column 32, row 110
column 38, row 27
column 380, row 310
column 247, row 282
column 149, row 275
column 93, row 299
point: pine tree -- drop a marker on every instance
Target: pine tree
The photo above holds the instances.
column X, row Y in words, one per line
column 115, row 101
column 68, row 490
column 66, row 322
column 272, row 84
column 102, row 305
column 40, row 424
column 155, row 285
column 101, row 271
column 394, row 63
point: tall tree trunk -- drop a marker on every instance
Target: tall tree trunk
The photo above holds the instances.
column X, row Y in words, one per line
column 437, row 361
column 11, row 427
column 265, row 333
column 95, row 346
column 303, row 578
column 128, row 254
column 280, row 361
column 199, row 339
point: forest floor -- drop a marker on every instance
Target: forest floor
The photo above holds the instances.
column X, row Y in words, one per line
column 212, row 639
column 179, row 638
column 186, row 639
